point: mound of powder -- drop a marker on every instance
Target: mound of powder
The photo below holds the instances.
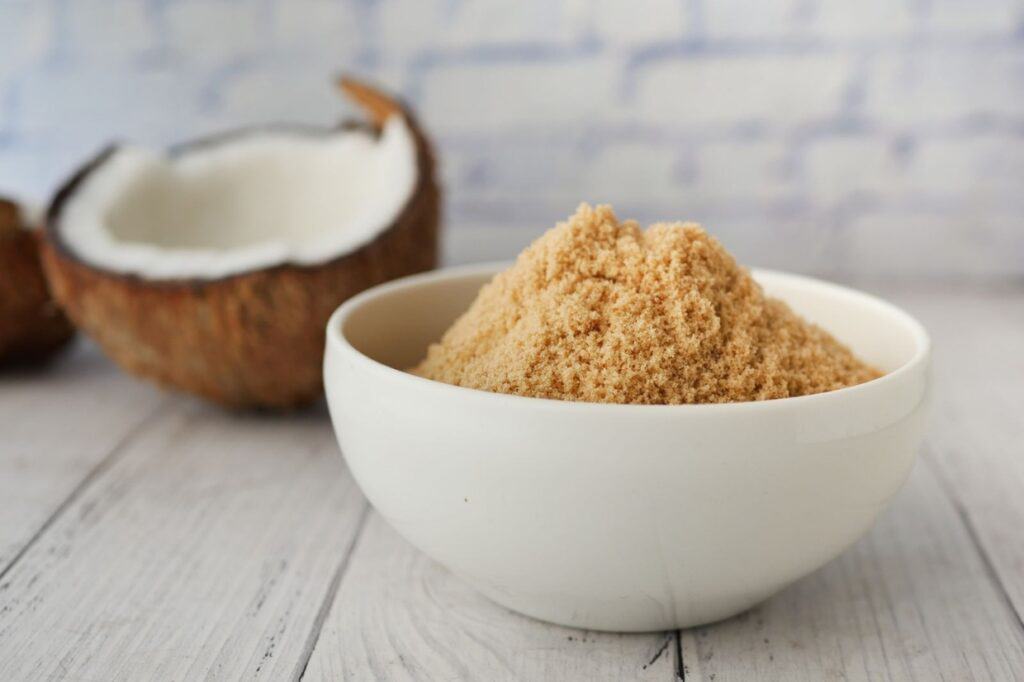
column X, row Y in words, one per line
column 601, row 311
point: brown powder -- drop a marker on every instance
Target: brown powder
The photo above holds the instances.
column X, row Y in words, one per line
column 600, row 311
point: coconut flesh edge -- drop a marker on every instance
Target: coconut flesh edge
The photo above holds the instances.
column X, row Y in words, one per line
column 248, row 203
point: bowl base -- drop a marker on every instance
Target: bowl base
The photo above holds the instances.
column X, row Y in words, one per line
column 627, row 615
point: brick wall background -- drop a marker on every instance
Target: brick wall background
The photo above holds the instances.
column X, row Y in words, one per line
column 879, row 137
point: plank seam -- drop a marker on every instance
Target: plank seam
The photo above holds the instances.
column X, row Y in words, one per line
column 661, row 650
column 108, row 460
column 680, row 664
column 972, row 534
column 332, row 592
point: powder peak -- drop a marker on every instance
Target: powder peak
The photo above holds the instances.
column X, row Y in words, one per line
column 600, row 310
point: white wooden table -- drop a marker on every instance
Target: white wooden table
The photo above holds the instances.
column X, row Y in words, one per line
column 147, row 536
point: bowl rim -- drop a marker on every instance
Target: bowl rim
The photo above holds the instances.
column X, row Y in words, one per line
column 337, row 342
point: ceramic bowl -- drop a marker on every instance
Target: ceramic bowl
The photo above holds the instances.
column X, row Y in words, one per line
column 622, row 517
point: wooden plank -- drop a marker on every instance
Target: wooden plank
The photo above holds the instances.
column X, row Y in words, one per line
column 400, row 616
column 207, row 543
column 58, row 424
column 935, row 591
column 977, row 430
column 912, row 600
column 207, row 550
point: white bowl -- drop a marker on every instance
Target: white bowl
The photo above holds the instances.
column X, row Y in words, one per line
column 621, row 517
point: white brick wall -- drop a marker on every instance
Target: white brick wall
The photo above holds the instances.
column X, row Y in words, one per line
column 208, row 32
column 719, row 92
column 632, row 24
column 883, row 137
column 123, row 24
column 482, row 99
column 938, row 88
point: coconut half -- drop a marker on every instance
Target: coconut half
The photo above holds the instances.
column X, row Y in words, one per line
column 32, row 327
column 214, row 267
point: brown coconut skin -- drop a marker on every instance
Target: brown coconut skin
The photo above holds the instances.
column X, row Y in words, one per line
column 32, row 327
column 251, row 340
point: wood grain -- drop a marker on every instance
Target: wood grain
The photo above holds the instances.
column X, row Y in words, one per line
column 205, row 551
column 911, row 601
column 146, row 536
column 400, row 616
column 976, row 435
column 57, row 424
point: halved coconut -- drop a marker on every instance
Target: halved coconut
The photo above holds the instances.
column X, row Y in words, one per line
column 214, row 268
column 32, row 327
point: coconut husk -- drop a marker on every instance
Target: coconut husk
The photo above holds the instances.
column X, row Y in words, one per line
column 253, row 339
column 32, row 327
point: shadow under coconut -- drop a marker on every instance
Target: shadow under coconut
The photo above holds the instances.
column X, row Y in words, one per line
column 77, row 359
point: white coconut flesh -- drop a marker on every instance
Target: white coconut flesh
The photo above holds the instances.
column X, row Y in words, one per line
column 243, row 204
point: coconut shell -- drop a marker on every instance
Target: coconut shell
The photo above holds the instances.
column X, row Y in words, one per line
column 32, row 327
column 254, row 339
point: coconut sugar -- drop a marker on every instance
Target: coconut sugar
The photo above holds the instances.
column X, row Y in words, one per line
column 599, row 310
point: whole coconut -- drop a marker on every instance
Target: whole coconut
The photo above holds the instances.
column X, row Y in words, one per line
column 32, row 327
